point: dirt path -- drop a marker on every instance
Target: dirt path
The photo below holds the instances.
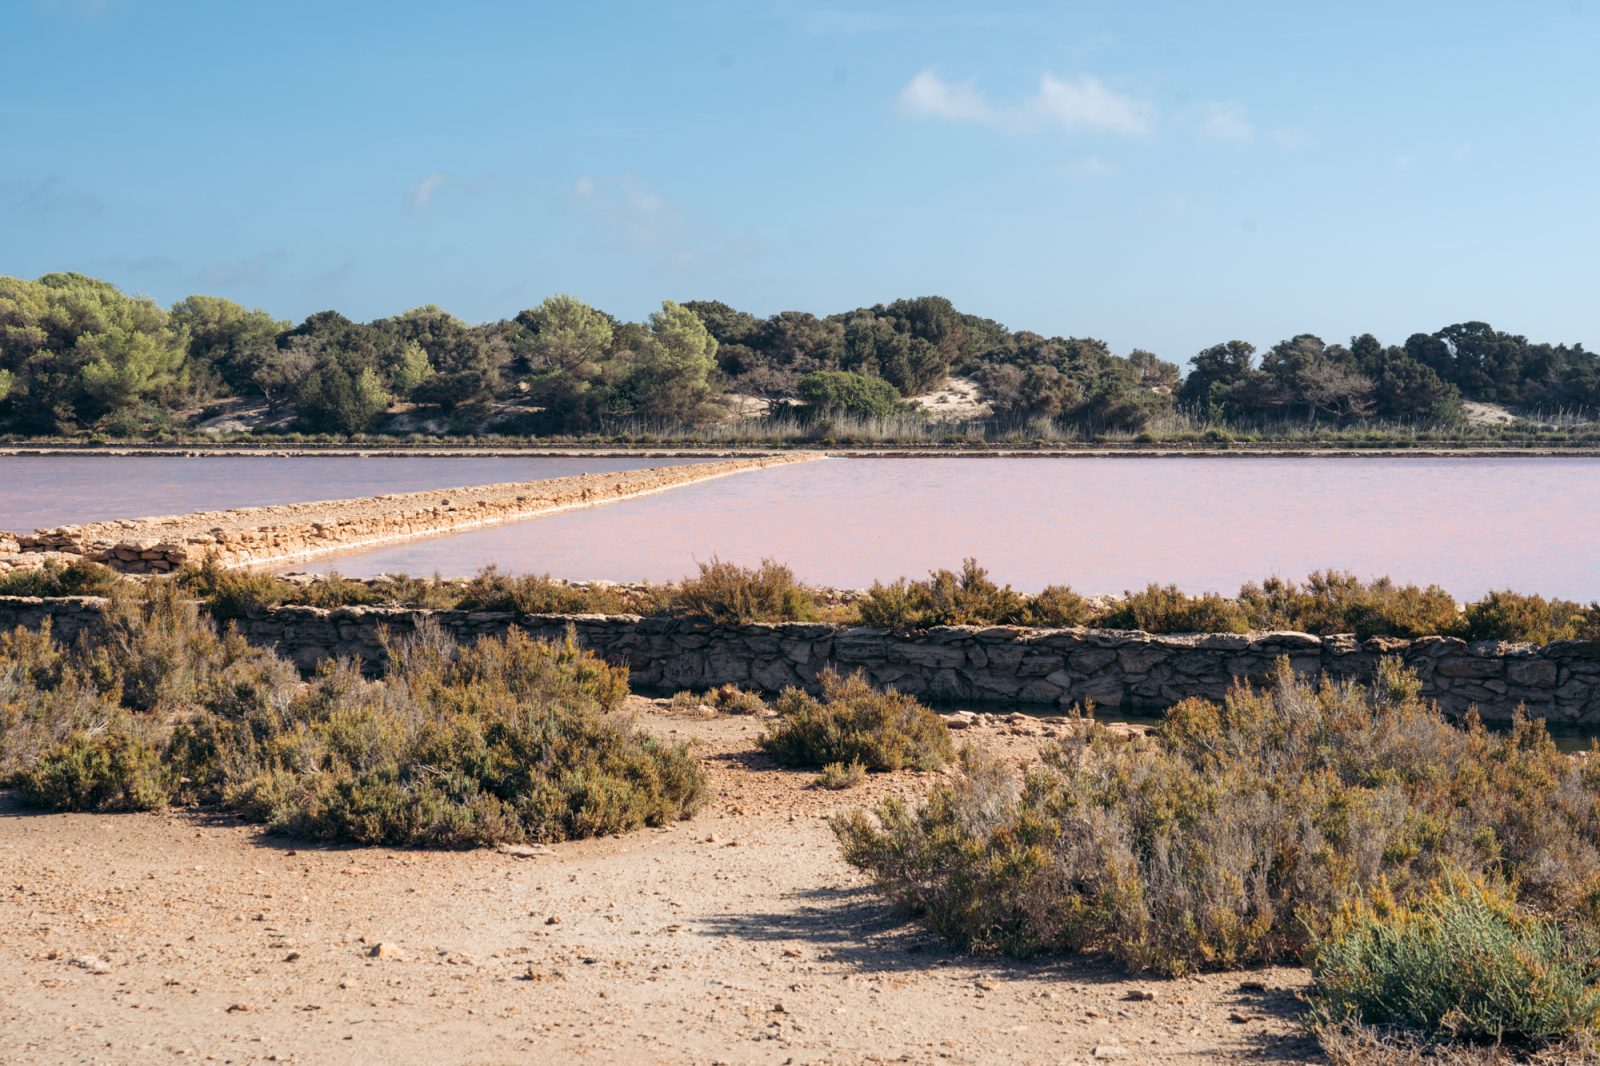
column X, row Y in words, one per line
column 738, row 937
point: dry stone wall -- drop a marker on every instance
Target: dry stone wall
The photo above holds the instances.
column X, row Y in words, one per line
column 995, row 665
column 289, row 531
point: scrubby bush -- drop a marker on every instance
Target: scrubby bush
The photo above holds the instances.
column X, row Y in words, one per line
column 1237, row 832
column 81, row 577
column 731, row 699
column 510, row 739
column 491, row 590
column 854, row 722
column 733, row 595
column 1167, row 609
column 1508, row 615
column 1335, row 602
column 1462, row 962
column 840, row 392
column 1058, row 607
column 506, row 739
column 838, row 776
column 230, row 593
column 946, row 598
column 116, row 766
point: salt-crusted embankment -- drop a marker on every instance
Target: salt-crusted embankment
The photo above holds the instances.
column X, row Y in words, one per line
column 298, row 530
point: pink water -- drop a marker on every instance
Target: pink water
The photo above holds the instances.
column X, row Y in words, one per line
column 1099, row 524
column 51, row 490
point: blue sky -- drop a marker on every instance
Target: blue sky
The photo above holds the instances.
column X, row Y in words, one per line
column 1164, row 175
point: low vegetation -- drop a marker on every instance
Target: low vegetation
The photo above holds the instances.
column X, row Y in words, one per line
column 1238, row 833
column 733, row 594
column 510, row 739
column 1327, row 602
column 1461, row 963
column 77, row 578
column 838, row 776
column 1166, row 609
column 854, row 723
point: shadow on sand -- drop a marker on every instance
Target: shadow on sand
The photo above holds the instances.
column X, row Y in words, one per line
column 855, row 927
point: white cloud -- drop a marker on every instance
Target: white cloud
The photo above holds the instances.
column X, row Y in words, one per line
column 929, row 96
column 1226, row 122
column 1080, row 104
column 1086, row 103
column 420, row 195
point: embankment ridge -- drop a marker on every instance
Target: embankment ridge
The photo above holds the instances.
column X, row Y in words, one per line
column 301, row 530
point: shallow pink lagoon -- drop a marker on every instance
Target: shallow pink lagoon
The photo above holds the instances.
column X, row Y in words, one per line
column 53, row 490
column 1099, row 524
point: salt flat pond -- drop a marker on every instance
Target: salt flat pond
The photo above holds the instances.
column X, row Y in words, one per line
column 1101, row 524
column 52, row 490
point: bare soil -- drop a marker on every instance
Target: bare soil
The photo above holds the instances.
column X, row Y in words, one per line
column 737, row 937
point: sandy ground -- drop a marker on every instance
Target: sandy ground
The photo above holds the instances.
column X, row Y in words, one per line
column 958, row 399
column 737, row 937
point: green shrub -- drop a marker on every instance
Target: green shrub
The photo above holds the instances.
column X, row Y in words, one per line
column 509, row 739
column 114, row 767
column 333, row 589
column 1058, row 607
column 491, row 590
column 77, row 578
column 1459, row 963
column 1512, row 616
column 840, row 392
column 838, row 776
column 1236, row 832
column 1167, row 609
column 890, row 606
column 230, row 593
column 946, row 598
column 854, row 722
column 1335, row 602
column 730, row 594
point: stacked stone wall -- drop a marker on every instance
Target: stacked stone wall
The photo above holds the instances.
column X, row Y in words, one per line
column 991, row 666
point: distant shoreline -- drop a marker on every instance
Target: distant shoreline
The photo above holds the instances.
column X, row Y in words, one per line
column 1154, row 451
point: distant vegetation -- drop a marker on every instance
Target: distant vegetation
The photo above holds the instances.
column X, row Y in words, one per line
column 1325, row 603
column 509, row 739
column 80, row 358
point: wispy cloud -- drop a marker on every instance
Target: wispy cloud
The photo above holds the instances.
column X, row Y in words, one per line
column 212, row 274
column 1081, row 104
column 627, row 212
column 1226, row 122
column 420, row 196
column 630, row 211
column 55, row 195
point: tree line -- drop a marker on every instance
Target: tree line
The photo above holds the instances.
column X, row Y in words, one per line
column 77, row 355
